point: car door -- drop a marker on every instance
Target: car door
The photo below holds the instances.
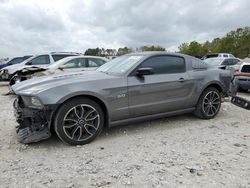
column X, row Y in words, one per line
column 40, row 61
column 168, row 89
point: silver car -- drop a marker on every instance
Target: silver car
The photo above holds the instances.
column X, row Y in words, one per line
column 130, row 88
column 65, row 65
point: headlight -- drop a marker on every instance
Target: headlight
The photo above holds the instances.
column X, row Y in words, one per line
column 32, row 102
column 35, row 101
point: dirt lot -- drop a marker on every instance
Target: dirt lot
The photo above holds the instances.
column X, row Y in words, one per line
column 180, row 151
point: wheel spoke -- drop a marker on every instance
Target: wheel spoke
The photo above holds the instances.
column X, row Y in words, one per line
column 216, row 102
column 90, row 125
column 82, row 111
column 212, row 96
column 215, row 99
column 87, row 131
column 71, row 125
column 80, row 134
column 206, row 109
column 70, row 120
column 74, row 132
column 92, row 118
column 215, row 109
column 88, row 114
column 77, row 113
column 212, row 111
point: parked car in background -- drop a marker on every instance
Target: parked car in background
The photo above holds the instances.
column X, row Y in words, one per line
column 67, row 64
column 242, row 78
column 247, row 60
column 217, row 55
column 41, row 60
column 14, row 61
column 223, row 62
column 130, row 88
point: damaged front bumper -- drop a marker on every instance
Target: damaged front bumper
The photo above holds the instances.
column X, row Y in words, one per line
column 236, row 83
column 34, row 124
column 241, row 102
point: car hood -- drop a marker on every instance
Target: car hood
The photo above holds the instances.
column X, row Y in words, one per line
column 13, row 68
column 41, row 84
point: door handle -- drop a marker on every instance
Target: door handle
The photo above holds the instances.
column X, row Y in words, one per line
column 181, row 80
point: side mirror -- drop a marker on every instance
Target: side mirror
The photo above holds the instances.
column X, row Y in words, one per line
column 144, row 71
column 29, row 63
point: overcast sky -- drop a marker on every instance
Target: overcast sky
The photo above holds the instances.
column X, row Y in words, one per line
column 31, row 26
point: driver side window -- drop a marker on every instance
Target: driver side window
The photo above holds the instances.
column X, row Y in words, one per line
column 164, row 64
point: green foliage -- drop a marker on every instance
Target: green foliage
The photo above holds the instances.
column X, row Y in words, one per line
column 120, row 51
column 100, row 52
column 235, row 42
column 152, row 48
column 123, row 51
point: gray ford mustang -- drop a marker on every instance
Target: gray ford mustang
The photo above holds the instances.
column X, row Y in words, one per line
column 130, row 88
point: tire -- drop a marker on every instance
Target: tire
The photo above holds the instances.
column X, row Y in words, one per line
column 209, row 104
column 79, row 121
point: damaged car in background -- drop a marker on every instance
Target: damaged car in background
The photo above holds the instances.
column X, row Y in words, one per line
column 14, row 61
column 67, row 64
column 242, row 77
column 41, row 60
column 131, row 88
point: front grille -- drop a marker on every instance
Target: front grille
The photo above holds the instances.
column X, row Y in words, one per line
column 246, row 68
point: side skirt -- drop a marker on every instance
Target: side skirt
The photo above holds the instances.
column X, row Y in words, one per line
column 150, row 117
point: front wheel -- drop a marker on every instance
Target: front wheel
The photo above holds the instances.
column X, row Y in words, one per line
column 79, row 121
column 209, row 104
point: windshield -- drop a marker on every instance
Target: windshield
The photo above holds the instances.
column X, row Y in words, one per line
column 119, row 65
column 213, row 62
column 27, row 60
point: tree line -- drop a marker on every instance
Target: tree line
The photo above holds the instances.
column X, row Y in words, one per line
column 236, row 42
column 120, row 51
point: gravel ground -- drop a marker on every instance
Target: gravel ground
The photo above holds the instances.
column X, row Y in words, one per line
column 180, row 151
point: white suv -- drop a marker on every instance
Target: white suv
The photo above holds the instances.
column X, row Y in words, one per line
column 220, row 55
column 41, row 60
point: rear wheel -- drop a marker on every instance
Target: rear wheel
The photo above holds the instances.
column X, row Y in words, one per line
column 79, row 121
column 209, row 104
